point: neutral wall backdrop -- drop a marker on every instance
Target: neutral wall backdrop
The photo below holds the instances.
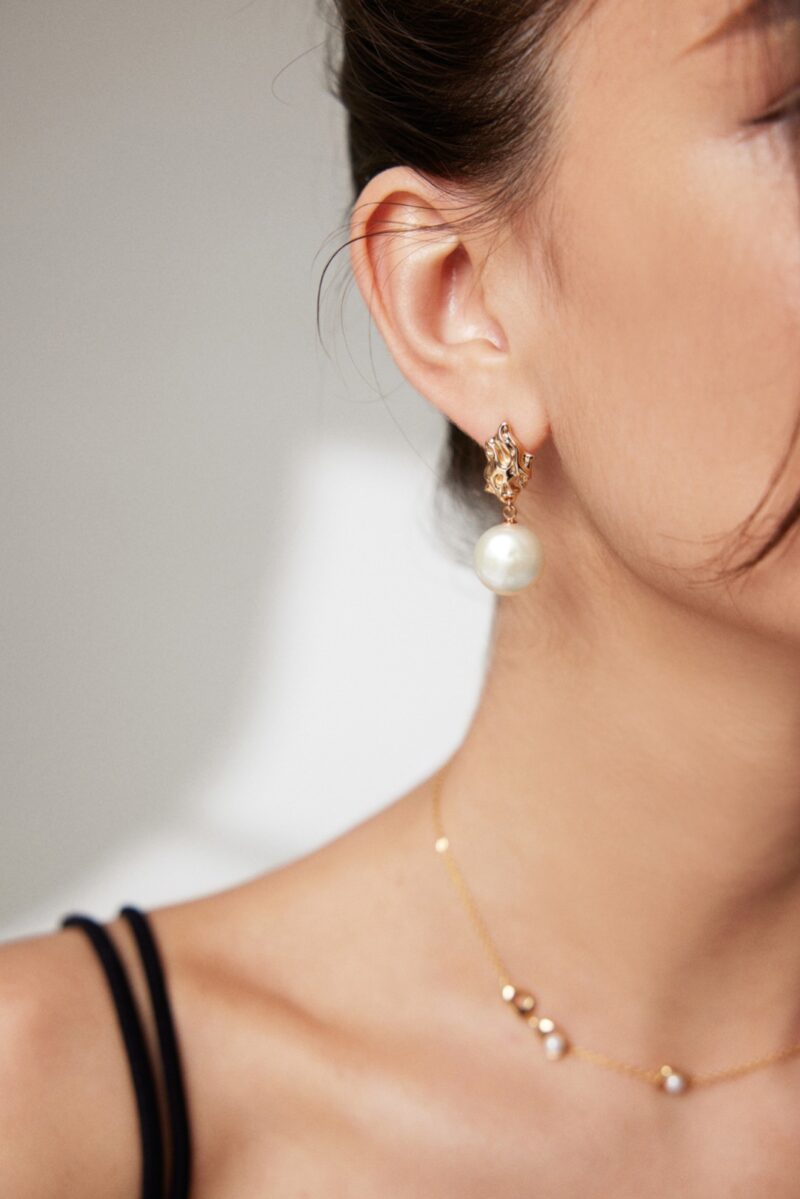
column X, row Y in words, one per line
column 229, row 626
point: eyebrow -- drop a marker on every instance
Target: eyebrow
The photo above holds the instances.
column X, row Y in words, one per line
column 754, row 14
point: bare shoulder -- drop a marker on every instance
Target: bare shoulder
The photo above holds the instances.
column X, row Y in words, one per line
column 287, row 993
column 66, row 1105
column 304, row 1011
column 335, row 1023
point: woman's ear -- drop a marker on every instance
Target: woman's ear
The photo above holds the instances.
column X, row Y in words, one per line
column 440, row 304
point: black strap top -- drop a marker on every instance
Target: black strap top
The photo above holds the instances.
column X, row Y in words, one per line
column 153, row 1182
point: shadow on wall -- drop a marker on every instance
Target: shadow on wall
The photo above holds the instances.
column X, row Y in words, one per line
column 162, row 378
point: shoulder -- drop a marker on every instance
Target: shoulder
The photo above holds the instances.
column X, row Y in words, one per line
column 66, row 1105
column 284, row 992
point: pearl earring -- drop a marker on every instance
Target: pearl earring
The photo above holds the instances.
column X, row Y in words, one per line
column 508, row 556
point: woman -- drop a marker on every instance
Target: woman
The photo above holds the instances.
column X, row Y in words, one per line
column 569, row 963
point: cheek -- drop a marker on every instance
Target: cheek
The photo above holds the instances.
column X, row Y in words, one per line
column 681, row 317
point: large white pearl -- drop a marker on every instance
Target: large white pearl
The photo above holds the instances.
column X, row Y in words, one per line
column 508, row 557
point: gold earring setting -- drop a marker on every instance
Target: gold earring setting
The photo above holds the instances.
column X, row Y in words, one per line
column 507, row 556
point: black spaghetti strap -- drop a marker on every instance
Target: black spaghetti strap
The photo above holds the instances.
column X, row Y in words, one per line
column 136, row 1048
column 180, row 1172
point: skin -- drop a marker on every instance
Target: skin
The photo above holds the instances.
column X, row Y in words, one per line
column 625, row 804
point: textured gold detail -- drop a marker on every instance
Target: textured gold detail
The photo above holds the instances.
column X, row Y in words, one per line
column 507, row 469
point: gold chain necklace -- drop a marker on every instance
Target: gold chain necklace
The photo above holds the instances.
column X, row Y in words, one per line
column 554, row 1041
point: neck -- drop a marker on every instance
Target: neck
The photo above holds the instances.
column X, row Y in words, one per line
column 625, row 809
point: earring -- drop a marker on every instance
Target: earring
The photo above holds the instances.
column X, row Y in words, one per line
column 507, row 556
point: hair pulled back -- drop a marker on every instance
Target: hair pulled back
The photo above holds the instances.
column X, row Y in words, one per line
column 468, row 92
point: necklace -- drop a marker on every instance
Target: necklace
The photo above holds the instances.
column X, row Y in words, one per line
column 553, row 1039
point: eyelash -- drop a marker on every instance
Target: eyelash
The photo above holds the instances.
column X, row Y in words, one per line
column 789, row 109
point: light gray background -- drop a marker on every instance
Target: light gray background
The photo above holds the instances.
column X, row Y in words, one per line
column 229, row 628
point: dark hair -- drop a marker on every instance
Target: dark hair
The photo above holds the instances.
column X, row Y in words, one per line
column 466, row 92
